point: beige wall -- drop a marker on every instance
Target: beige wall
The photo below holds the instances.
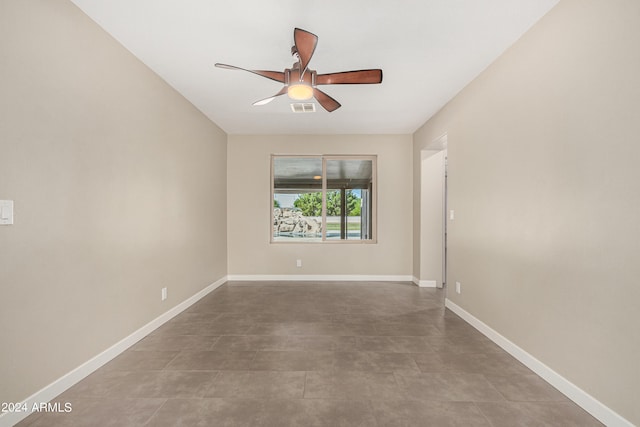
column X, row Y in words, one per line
column 544, row 179
column 250, row 252
column 119, row 189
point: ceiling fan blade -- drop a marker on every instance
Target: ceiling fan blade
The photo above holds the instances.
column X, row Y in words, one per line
column 271, row 98
column 273, row 75
column 327, row 102
column 305, row 45
column 350, row 77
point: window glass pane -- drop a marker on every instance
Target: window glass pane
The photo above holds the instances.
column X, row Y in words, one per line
column 349, row 205
column 334, row 209
column 297, row 198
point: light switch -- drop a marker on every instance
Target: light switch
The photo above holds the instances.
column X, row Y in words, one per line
column 6, row 212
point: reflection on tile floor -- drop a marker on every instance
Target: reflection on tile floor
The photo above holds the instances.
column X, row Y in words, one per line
column 315, row 354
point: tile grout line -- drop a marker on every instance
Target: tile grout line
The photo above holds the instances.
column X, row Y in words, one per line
column 164, row 368
column 475, row 404
column 146, row 423
column 214, row 343
column 304, row 385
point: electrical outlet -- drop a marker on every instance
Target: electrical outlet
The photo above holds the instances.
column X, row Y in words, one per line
column 452, row 215
column 298, row 263
column 163, row 295
column 458, row 288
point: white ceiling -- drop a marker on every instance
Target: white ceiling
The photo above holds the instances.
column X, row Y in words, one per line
column 428, row 51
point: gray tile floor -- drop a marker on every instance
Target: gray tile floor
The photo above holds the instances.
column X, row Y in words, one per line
column 315, row 354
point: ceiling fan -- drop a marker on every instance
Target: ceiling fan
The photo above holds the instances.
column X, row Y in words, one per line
column 300, row 82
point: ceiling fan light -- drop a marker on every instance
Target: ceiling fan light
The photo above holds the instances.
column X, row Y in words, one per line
column 300, row 92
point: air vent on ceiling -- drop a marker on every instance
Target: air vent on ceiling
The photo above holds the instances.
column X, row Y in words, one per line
column 303, row 107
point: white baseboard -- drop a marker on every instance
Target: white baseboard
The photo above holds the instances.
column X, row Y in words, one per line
column 318, row 277
column 587, row 402
column 66, row 381
column 425, row 283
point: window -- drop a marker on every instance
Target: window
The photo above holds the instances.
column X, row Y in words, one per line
column 323, row 198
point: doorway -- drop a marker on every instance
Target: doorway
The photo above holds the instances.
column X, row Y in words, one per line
column 444, row 222
column 433, row 247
